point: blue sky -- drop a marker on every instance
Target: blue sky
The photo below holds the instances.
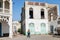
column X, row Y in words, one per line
column 17, row 5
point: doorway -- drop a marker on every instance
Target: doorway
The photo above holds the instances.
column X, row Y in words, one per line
column 0, row 29
column 43, row 28
column 32, row 28
column 51, row 27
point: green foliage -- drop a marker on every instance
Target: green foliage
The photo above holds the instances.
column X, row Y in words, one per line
column 23, row 33
column 19, row 30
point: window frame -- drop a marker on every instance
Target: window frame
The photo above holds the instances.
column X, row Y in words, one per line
column 31, row 10
column 42, row 15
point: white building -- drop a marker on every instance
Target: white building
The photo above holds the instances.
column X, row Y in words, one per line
column 16, row 25
column 39, row 18
column 6, row 18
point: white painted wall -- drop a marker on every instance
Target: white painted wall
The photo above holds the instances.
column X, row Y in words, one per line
column 36, row 17
column 37, row 24
column 17, row 24
column 36, row 12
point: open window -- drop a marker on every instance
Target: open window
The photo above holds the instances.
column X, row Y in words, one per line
column 6, row 4
column 42, row 14
column 31, row 13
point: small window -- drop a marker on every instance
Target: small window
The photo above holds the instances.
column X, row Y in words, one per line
column 42, row 14
column 31, row 13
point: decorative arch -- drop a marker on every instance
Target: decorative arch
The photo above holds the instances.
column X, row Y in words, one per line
column 43, row 24
column 31, row 24
column 42, row 9
column 7, row 4
column 31, row 8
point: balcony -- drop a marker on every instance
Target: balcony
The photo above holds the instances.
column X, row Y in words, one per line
column 1, row 10
column 5, row 11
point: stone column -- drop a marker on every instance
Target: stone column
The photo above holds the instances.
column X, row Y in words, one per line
column 3, row 12
column 10, row 27
column 10, row 20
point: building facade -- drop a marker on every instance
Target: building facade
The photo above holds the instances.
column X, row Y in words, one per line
column 39, row 18
column 16, row 26
column 6, row 18
column 58, row 21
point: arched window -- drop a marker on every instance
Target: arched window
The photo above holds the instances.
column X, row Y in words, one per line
column 7, row 4
column 42, row 14
column 31, row 13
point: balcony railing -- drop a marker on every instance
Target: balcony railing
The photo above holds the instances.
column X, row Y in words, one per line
column 5, row 11
column 1, row 9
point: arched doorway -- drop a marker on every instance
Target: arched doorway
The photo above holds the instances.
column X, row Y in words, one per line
column 32, row 28
column 43, row 28
column 51, row 28
column 0, row 29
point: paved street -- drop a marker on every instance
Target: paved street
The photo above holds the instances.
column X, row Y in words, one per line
column 33, row 37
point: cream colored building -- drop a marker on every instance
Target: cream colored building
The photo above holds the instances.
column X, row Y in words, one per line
column 39, row 18
column 16, row 25
column 6, row 18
